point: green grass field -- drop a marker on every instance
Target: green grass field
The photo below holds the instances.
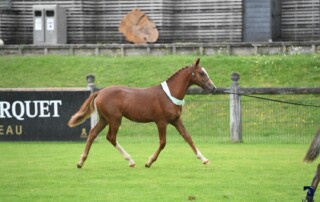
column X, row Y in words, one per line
column 43, row 171
column 70, row 71
column 46, row 171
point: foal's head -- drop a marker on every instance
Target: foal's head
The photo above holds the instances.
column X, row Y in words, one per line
column 201, row 78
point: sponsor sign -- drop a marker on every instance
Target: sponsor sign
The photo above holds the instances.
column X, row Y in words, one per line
column 41, row 115
column 37, row 24
column 50, row 24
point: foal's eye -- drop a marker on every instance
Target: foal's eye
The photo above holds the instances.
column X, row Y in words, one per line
column 202, row 74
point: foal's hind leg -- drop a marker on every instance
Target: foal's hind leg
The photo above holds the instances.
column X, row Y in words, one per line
column 92, row 135
column 183, row 132
column 112, row 138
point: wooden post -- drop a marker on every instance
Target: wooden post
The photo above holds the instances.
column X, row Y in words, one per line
column 235, row 110
column 92, row 87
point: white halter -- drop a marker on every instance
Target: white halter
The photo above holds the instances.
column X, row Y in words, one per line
column 166, row 89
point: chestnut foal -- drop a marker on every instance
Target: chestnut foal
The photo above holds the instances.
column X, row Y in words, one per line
column 161, row 104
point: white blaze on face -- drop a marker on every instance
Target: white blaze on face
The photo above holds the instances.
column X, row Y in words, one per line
column 203, row 69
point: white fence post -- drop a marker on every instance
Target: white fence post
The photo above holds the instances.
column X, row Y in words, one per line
column 235, row 110
column 92, row 87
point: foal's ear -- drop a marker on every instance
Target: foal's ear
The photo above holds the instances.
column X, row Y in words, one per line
column 197, row 63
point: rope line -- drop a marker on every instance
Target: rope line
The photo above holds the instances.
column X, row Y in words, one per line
column 273, row 100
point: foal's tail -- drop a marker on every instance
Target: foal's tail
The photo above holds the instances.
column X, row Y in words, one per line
column 84, row 112
column 314, row 149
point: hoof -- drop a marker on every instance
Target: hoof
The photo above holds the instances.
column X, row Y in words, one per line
column 132, row 165
column 206, row 163
column 79, row 166
column 147, row 165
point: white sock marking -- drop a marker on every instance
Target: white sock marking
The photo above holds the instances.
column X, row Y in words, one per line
column 125, row 154
column 201, row 157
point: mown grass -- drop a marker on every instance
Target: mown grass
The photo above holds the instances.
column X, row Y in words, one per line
column 43, row 171
column 70, row 71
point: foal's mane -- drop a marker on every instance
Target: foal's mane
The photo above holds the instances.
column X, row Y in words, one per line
column 177, row 72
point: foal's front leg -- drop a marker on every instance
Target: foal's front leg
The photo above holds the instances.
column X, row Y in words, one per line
column 162, row 128
column 183, row 132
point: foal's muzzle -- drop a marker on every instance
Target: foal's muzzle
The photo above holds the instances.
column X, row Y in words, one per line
column 209, row 86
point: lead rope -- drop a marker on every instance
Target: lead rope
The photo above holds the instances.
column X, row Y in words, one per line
column 273, row 100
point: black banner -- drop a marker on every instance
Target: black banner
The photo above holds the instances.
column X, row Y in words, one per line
column 41, row 115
